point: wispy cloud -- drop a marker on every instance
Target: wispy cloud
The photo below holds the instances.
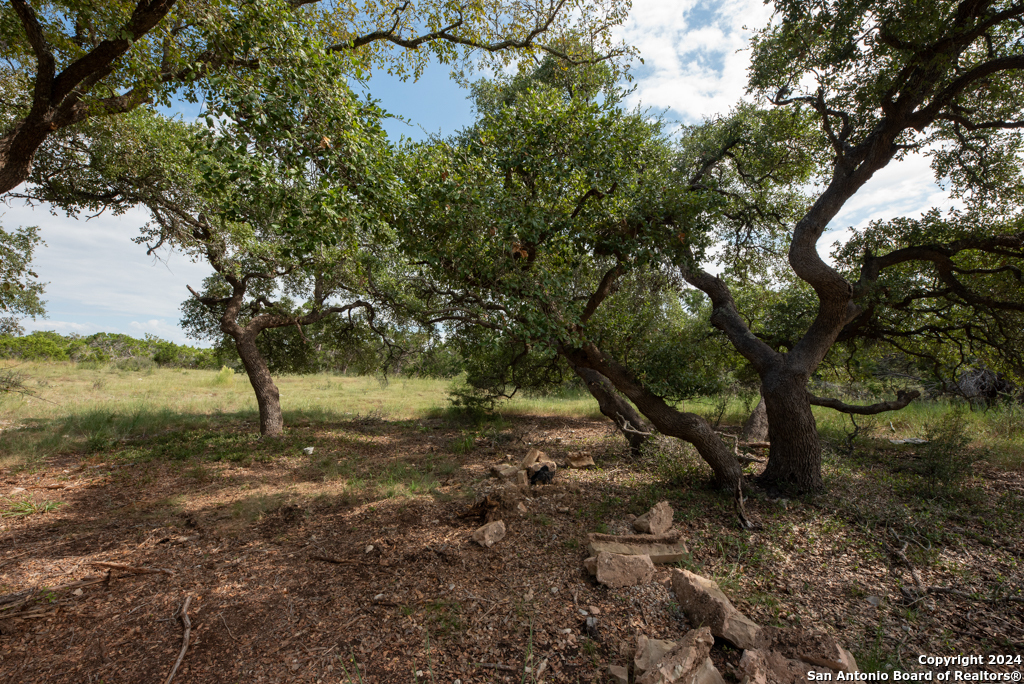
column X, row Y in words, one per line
column 695, row 53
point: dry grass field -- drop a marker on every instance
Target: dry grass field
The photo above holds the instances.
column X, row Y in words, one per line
column 125, row 493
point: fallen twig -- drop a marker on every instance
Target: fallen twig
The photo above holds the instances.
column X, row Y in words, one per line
column 12, row 601
column 224, row 622
column 132, row 569
column 184, row 646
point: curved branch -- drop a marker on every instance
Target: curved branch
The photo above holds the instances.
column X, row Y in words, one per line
column 902, row 399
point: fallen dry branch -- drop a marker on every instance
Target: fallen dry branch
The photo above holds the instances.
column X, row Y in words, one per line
column 225, row 623
column 18, row 599
column 132, row 569
column 187, row 624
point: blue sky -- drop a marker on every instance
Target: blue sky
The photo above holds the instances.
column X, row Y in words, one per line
column 695, row 66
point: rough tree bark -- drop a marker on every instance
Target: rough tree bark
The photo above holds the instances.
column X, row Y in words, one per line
column 755, row 429
column 633, row 428
column 268, row 398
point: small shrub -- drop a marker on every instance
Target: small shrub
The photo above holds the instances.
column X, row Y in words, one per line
column 225, row 376
column 945, row 461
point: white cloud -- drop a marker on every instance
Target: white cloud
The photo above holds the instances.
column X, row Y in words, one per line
column 696, row 53
column 98, row 278
column 57, row 326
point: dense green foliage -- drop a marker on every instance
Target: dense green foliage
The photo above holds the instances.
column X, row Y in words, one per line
column 19, row 287
column 106, row 348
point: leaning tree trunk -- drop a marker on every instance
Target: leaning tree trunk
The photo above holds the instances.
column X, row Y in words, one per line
column 755, row 429
column 794, row 458
column 669, row 421
column 267, row 396
column 614, row 407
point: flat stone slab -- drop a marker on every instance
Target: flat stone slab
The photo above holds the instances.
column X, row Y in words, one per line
column 660, row 548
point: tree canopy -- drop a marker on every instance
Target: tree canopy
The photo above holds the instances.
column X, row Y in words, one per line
column 68, row 61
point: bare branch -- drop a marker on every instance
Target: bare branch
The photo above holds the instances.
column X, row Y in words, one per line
column 902, row 399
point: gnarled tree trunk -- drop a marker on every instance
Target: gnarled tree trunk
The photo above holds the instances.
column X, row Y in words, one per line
column 633, row 428
column 267, row 397
column 794, row 457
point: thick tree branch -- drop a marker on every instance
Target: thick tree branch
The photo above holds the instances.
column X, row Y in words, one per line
column 902, row 399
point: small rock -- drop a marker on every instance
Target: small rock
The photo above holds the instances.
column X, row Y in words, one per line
column 563, row 509
column 687, row 662
column 522, row 479
column 615, row 570
column 378, row 597
column 705, row 604
column 528, row 596
column 594, row 610
column 658, row 520
column 649, row 652
column 590, row 565
column 554, row 590
column 78, row 592
column 581, row 461
column 617, row 674
column 809, row 646
column 521, row 508
column 532, row 456
column 308, row 451
column 874, row 600
column 490, row 534
column 369, row 548
column 504, row 471
column 761, row 667
column 592, row 627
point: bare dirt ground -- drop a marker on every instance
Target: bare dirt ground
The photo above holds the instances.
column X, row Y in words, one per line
column 354, row 565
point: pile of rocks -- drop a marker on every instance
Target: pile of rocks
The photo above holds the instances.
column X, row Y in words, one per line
column 771, row 655
column 535, row 460
column 629, row 559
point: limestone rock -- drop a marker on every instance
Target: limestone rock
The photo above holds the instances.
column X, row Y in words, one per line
column 658, row 520
column 617, row 674
column 660, row 548
column 490, row 534
column 815, row 648
column 705, row 604
column 504, row 471
column 768, row 667
column 581, row 461
column 591, row 565
column 615, row 570
column 532, row 469
column 649, row 652
column 688, row 662
column 532, row 456
column 522, row 479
